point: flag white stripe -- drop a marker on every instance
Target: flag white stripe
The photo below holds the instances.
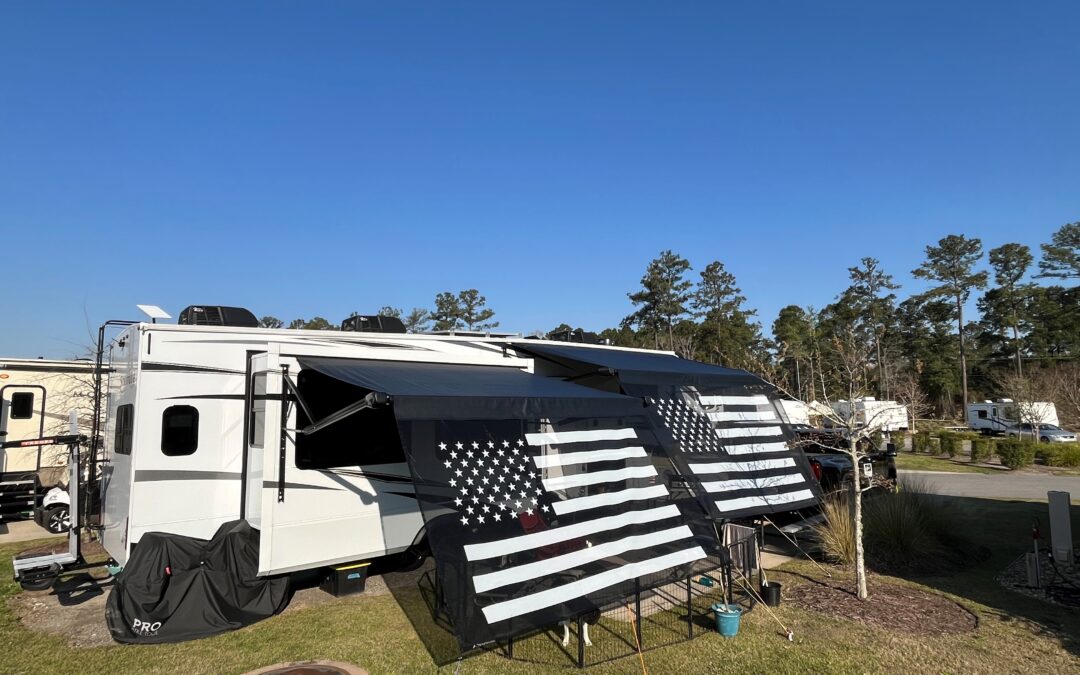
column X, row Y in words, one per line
column 493, row 549
column 740, row 467
column 566, row 458
column 771, row 500
column 756, row 399
column 593, row 477
column 557, row 437
column 747, row 483
column 748, row 432
column 608, row 499
column 540, row 568
column 755, row 448
column 508, row 609
column 765, row 416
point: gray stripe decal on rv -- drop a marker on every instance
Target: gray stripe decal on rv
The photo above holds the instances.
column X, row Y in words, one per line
column 187, row 368
column 149, row 475
column 169, row 474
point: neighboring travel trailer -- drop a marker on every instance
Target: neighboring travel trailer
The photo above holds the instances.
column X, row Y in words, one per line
column 39, row 397
column 331, row 447
column 994, row 417
column 875, row 414
column 793, row 411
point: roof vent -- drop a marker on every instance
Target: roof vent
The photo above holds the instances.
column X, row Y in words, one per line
column 378, row 323
column 216, row 315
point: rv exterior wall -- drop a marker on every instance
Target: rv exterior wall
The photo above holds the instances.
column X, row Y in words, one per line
column 50, row 390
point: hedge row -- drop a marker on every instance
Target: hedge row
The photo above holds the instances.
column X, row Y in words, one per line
column 1016, row 454
column 1058, row 455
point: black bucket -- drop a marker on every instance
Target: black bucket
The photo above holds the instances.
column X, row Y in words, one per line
column 770, row 593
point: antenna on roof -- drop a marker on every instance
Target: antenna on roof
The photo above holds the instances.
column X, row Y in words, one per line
column 154, row 312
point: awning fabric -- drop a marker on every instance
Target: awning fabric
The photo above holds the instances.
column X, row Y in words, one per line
column 542, row 500
column 641, row 367
column 720, row 424
column 454, row 391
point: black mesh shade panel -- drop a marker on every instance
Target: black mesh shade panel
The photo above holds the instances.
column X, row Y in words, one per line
column 721, row 425
column 542, row 500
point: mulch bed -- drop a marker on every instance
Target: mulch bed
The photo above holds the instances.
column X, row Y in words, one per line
column 896, row 608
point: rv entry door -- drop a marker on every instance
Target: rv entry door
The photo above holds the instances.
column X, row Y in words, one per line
column 263, row 408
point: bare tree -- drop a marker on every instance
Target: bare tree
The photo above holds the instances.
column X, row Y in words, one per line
column 910, row 393
column 1062, row 383
column 852, row 358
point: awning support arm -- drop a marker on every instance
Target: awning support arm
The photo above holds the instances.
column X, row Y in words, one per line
column 371, row 400
column 299, row 399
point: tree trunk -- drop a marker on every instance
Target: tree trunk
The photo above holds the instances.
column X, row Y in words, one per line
column 880, row 366
column 1019, row 363
column 856, row 516
column 963, row 357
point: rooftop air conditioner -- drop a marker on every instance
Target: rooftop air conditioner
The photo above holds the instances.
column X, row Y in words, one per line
column 216, row 315
column 373, row 324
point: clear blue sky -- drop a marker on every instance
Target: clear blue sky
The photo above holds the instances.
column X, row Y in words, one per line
column 304, row 159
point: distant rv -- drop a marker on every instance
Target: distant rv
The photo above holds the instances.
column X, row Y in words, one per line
column 874, row 414
column 38, row 398
column 994, row 417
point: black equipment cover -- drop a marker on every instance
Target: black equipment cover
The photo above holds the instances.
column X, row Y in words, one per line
column 727, row 437
column 177, row 588
column 542, row 500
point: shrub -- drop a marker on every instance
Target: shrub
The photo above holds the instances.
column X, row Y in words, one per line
column 921, row 442
column 1058, row 455
column 837, row 532
column 907, row 529
column 982, row 449
column 950, row 443
column 1016, row 454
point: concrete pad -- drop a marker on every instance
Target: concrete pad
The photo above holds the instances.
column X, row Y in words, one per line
column 23, row 530
column 773, row 560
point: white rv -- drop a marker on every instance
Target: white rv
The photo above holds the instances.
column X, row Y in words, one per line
column 994, row 417
column 193, row 440
column 38, row 398
column 875, row 414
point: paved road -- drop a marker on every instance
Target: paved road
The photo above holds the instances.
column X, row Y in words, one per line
column 996, row 486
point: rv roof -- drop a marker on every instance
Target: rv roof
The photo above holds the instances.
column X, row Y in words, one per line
column 41, row 364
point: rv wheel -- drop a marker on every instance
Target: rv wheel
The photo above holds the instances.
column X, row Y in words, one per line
column 57, row 520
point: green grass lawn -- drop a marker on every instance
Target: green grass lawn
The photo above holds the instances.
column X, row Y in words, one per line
column 1015, row 633
column 920, row 462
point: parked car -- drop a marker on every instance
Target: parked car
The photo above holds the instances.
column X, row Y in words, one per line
column 1046, row 433
column 54, row 512
column 831, row 463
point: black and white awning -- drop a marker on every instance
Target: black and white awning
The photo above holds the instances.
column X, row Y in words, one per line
column 543, row 500
column 721, row 424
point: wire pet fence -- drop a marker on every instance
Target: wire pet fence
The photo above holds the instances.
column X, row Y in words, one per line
column 647, row 620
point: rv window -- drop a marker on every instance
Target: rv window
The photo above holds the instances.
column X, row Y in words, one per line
column 22, row 405
column 125, row 418
column 257, row 423
column 179, row 430
column 365, row 438
column 982, row 414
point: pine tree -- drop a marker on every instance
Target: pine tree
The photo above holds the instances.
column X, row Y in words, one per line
column 1061, row 257
column 474, row 311
column 951, row 263
column 447, row 314
column 875, row 306
column 663, row 298
column 1009, row 301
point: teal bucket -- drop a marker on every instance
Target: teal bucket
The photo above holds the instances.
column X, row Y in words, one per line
column 727, row 618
